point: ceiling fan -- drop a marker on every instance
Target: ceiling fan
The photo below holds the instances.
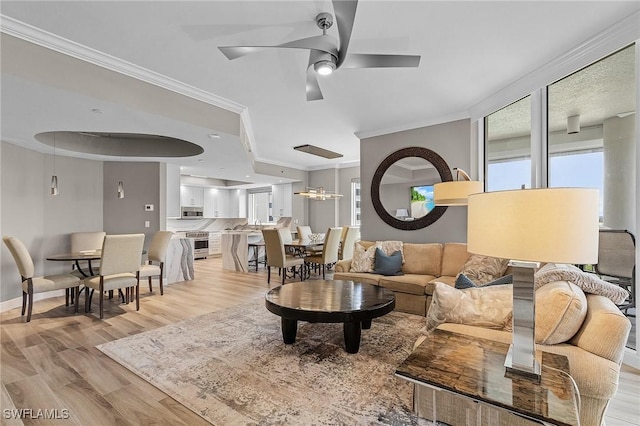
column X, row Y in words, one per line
column 325, row 55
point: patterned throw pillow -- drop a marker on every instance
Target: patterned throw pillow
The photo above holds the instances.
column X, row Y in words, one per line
column 487, row 307
column 484, row 269
column 463, row 282
column 390, row 247
column 388, row 265
column 363, row 259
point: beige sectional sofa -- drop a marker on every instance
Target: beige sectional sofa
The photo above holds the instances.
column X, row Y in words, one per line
column 595, row 353
column 424, row 264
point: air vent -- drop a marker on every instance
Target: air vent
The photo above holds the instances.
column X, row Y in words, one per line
column 315, row 150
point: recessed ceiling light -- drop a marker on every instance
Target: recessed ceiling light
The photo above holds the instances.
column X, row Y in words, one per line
column 214, row 136
column 247, row 175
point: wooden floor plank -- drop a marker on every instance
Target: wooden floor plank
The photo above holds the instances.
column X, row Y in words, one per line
column 52, row 361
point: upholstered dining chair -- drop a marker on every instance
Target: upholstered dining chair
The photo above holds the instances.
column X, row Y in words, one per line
column 276, row 257
column 119, row 268
column 304, row 232
column 158, row 254
column 85, row 241
column 349, row 237
column 329, row 254
column 32, row 285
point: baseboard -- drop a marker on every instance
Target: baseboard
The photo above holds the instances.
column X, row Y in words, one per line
column 17, row 302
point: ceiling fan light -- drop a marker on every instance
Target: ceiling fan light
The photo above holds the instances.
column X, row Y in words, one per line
column 324, row 67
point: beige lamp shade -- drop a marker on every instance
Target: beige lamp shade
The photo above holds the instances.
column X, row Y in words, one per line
column 455, row 193
column 540, row 225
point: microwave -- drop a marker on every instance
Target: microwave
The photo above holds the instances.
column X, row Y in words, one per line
column 192, row 212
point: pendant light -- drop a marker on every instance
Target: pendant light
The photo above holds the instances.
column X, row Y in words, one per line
column 54, row 178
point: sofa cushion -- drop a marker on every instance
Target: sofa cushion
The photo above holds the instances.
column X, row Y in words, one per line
column 454, row 256
column 487, row 307
column 390, row 247
column 483, row 269
column 422, row 259
column 561, row 308
column 407, row 283
column 462, row 282
column 388, row 264
column 361, row 277
column 363, row 257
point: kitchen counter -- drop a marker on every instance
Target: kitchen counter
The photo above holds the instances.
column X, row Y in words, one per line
column 179, row 261
column 235, row 248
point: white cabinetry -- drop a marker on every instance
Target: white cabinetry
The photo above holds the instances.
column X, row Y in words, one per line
column 191, row 196
column 173, row 191
column 215, row 248
column 216, row 203
column 282, row 200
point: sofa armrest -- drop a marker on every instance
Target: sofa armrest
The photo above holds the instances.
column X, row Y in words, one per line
column 343, row 265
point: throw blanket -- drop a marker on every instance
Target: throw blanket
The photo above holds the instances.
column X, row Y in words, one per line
column 589, row 283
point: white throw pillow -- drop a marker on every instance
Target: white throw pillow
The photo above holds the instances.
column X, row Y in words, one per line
column 363, row 260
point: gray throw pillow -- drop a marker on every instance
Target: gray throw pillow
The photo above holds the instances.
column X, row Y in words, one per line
column 463, row 282
column 388, row 265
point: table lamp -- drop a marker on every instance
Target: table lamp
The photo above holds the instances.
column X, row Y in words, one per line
column 529, row 226
column 456, row 192
column 402, row 214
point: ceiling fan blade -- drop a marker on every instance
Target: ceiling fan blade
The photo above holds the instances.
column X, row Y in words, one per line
column 324, row 43
column 363, row 60
column 313, row 88
column 345, row 12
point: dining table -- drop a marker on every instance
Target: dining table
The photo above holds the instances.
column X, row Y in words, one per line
column 301, row 247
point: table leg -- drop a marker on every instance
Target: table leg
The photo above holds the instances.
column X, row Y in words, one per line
column 352, row 332
column 289, row 330
column 366, row 324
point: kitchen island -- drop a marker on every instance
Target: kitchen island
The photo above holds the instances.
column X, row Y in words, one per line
column 179, row 261
column 235, row 248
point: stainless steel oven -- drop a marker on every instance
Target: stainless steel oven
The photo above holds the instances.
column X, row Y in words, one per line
column 200, row 243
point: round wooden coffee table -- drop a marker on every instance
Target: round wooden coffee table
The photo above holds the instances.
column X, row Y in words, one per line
column 352, row 303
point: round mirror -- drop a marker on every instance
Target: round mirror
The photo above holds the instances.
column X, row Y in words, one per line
column 402, row 188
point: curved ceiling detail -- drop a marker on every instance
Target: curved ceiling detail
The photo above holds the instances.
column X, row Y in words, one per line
column 120, row 144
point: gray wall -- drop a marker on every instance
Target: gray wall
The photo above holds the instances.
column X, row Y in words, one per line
column 142, row 183
column 345, row 177
column 44, row 222
column 452, row 142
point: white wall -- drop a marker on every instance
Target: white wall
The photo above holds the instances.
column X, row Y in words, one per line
column 43, row 222
column 449, row 140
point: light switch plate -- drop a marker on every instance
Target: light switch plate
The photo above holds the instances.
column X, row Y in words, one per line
column 148, row 207
column 147, row 223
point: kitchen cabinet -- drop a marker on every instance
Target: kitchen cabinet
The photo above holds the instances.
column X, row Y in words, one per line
column 215, row 247
column 173, row 191
column 282, row 200
column 216, row 202
column 191, row 196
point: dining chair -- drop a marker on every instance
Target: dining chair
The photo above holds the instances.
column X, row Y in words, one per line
column 32, row 285
column 276, row 257
column 617, row 262
column 85, row 241
column 157, row 253
column 329, row 254
column 350, row 235
column 119, row 268
column 304, row 232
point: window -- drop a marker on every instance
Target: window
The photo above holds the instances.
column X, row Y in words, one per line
column 591, row 136
column 355, row 203
column 260, row 206
column 508, row 147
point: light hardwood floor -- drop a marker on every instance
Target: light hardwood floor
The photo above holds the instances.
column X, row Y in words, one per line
column 52, row 363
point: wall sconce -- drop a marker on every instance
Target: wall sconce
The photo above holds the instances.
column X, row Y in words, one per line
column 120, row 190
column 455, row 193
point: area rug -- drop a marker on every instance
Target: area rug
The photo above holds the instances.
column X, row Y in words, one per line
column 231, row 367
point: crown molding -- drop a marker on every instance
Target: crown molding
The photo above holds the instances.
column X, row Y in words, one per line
column 410, row 126
column 613, row 38
column 24, row 31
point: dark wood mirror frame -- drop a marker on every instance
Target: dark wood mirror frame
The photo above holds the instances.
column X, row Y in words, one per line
column 435, row 214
